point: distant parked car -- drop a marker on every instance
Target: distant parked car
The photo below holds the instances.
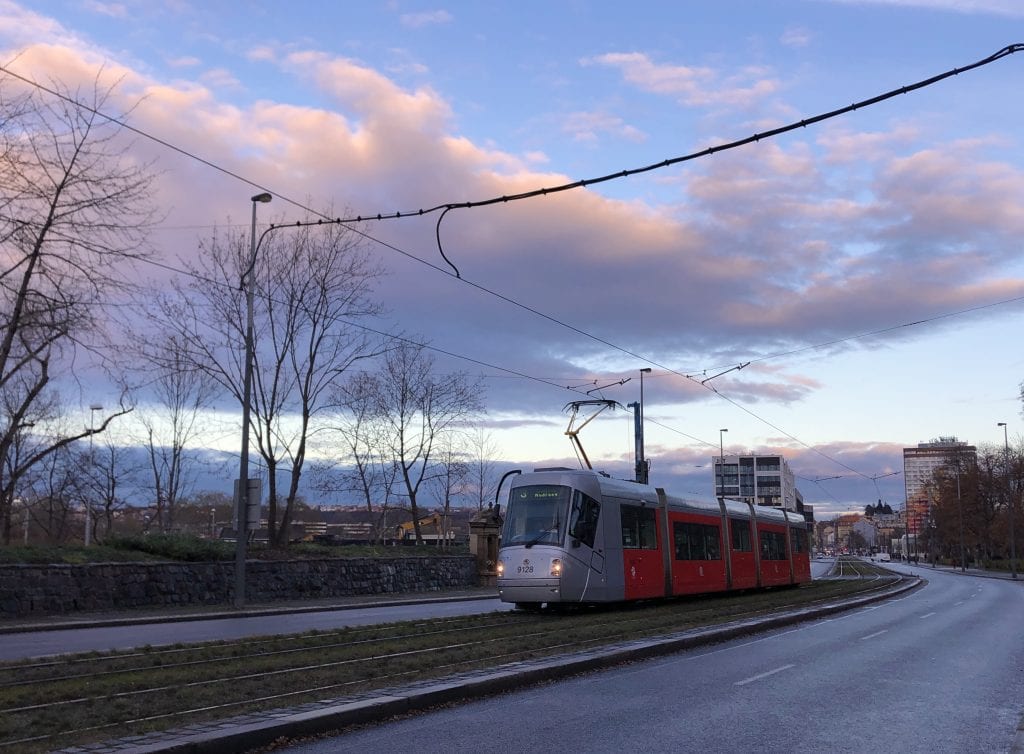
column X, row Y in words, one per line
column 882, row 557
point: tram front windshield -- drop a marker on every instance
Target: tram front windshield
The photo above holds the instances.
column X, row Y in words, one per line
column 536, row 515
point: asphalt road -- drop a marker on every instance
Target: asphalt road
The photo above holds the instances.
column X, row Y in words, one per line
column 939, row 670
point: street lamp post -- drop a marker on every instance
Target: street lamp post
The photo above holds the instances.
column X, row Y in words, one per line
column 243, row 472
column 960, row 511
column 1009, row 500
column 87, row 505
column 721, row 462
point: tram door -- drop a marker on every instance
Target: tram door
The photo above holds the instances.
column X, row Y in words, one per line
column 641, row 557
column 584, row 577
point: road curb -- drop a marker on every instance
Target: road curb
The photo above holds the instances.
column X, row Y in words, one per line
column 257, row 730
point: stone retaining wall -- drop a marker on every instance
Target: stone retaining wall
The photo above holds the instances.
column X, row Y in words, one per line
column 37, row 590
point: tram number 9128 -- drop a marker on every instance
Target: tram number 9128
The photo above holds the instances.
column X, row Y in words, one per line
column 524, row 569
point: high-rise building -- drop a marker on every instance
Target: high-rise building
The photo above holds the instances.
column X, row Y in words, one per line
column 919, row 466
column 762, row 480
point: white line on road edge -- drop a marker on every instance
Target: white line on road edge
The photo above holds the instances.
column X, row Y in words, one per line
column 927, row 615
column 876, row 633
column 759, row 676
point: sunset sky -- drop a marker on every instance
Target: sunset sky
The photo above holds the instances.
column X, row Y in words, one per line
column 868, row 267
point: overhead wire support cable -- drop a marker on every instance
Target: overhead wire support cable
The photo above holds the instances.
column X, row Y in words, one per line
column 544, row 191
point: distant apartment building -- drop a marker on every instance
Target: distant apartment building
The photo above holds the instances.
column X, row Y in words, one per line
column 762, row 480
column 919, row 466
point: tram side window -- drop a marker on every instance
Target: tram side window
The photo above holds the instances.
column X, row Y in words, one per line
column 697, row 541
column 773, row 546
column 740, row 535
column 639, row 531
column 583, row 519
column 799, row 540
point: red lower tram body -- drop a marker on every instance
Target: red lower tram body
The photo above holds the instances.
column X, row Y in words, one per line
column 580, row 537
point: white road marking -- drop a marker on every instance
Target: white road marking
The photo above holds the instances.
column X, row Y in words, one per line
column 876, row 633
column 759, row 676
column 927, row 615
column 958, row 604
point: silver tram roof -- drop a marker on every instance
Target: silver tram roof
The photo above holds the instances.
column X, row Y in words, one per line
column 629, row 490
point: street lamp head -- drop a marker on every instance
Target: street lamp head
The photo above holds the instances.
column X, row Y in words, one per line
column 95, row 407
column 1001, row 424
column 645, row 370
column 263, row 198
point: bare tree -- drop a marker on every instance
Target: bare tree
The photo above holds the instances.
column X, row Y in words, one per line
column 111, row 470
column 366, row 469
column 311, row 283
column 482, row 462
column 451, row 471
column 73, row 212
column 180, row 393
column 418, row 410
column 52, row 489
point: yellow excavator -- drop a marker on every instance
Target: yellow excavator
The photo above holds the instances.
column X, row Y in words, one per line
column 407, row 530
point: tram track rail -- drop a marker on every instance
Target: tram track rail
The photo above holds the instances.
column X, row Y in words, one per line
column 78, row 699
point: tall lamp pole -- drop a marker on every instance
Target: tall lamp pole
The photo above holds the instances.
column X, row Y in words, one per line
column 721, row 462
column 241, row 534
column 960, row 511
column 1009, row 500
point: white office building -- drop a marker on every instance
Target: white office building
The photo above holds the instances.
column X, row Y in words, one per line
column 762, row 480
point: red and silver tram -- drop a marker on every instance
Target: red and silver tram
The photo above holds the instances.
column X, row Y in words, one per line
column 581, row 537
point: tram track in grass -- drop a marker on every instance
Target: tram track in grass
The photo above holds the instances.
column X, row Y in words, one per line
column 78, row 699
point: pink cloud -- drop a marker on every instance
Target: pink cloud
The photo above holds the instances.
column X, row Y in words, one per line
column 691, row 85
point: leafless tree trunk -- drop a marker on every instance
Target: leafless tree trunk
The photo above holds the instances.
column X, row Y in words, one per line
column 311, row 283
column 73, row 212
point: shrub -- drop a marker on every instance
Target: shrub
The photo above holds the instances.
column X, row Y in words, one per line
column 184, row 547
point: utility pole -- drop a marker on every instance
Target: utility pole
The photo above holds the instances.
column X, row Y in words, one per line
column 1009, row 501
column 642, row 468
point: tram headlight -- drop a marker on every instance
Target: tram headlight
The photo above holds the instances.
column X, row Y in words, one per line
column 501, row 568
column 556, row 566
